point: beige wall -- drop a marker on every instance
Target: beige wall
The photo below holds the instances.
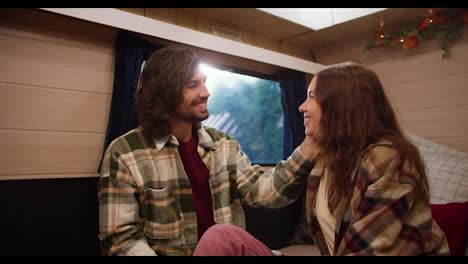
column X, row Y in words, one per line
column 56, row 79
column 56, row 76
column 429, row 94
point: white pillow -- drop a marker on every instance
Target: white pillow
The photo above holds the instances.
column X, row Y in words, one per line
column 446, row 169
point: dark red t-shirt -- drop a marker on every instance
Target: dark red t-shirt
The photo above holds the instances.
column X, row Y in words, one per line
column 198, row 176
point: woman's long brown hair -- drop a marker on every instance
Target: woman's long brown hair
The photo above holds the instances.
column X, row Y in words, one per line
column 355, row 114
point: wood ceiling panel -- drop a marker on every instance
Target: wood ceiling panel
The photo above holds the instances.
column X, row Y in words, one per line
column 251, row 19
column 214, row 13
column 244, row 19
column 275, row 28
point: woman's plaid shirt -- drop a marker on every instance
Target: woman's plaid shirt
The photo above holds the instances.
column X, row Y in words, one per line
column 382, row 216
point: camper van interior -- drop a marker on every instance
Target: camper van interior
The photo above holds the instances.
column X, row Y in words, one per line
column 60, row 108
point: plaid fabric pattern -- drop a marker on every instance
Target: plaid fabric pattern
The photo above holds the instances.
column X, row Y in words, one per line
column 446, row 169
column 145, row 197
column 382, row 216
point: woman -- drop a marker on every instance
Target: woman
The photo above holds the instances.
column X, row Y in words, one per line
column 368, row 193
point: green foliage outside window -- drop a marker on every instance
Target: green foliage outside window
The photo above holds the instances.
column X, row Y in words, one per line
column 251, row 112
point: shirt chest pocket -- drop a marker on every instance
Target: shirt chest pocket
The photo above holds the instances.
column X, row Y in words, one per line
column 163, row 214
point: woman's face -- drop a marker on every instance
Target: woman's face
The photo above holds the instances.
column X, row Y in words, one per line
column 311, row 110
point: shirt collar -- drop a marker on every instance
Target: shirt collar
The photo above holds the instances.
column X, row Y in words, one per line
column 204, row 140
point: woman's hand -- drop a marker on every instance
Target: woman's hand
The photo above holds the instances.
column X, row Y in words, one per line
column 309, row 148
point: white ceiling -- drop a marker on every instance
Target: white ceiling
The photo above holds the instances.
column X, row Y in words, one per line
column 319, row 18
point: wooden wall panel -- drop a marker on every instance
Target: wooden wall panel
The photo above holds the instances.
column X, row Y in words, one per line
column 422, row 66
column 30, row 107
column 187, row 20
column 133, row 10
column 40, row 63
column 430, row 92
column 47, row 152
column 444, row 125
column 41, row 25
column 164, row 14
column 448, row 121
column 56, row 76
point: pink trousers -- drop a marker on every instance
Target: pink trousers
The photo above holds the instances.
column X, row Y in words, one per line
column 230, row 240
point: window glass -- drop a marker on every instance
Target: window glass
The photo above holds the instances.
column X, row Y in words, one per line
column 248, row 109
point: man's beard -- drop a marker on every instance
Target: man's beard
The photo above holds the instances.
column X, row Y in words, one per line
column 191, row 117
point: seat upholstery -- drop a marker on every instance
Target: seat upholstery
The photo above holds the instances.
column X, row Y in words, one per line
column 300, row 250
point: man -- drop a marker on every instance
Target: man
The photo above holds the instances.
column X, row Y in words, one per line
column 166, row 182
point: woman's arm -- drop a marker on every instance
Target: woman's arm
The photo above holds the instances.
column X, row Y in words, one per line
column 276, row 187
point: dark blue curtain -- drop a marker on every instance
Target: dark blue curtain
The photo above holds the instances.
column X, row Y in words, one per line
column 293, row 93
column 276, row 227
column 130, row 52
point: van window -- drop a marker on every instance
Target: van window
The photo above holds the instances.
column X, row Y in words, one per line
column 248, row 109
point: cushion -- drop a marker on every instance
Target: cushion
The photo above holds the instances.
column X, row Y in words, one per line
column 299, row 250
column 453, row 220
column 447, row 172
column 446, row 169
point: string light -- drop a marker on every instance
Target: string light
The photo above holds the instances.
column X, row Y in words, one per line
column 381, row 28
column 445, row 25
